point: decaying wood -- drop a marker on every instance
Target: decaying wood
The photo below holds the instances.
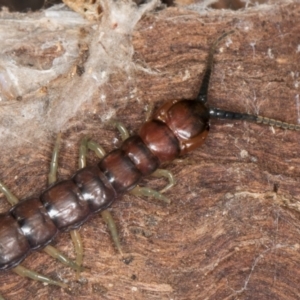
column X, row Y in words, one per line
column 232, row 230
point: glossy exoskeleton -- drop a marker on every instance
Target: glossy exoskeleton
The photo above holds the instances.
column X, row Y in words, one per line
column 178, row 127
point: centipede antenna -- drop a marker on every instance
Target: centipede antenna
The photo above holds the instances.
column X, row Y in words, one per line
column 230, row 115
column 202, row 96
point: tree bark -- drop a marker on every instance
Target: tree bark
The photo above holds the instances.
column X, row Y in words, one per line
column 232, row 228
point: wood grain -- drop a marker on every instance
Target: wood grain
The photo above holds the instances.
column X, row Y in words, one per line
column 226, row 234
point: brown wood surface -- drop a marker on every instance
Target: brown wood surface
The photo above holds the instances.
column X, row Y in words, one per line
column 226, row 234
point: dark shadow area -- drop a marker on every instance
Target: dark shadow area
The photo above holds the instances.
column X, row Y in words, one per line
column 27, row 5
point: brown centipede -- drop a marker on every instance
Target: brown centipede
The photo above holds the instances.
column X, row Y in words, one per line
column 179, row 126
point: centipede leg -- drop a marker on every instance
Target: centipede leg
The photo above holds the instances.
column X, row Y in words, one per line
column 53, row 252
column 148, row 192
column 108, row 219
column 166, row 174
column 20, row 270
column 54, row 160
column 11, row 198
column 122, row 129
column 105, row 214
column 78, row 246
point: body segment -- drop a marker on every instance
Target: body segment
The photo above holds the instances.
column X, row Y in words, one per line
column 66, row 205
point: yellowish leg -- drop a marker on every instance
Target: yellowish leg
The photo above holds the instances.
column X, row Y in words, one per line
column 53, row 252
column 108, row 219
column 166, row 174
column 148, row 192
column 78, row 246
column 20, row 270
column 144, row 191
column 11, row 198
column 122, row 129
column 54, row 160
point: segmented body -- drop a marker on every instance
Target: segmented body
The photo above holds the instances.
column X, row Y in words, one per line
column 176, row 128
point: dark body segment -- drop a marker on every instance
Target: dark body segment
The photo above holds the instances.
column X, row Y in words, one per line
column 65, row 205
column 95, row 188
column 13, row 244
column 120, row 171
column 34, row 222
column 177, row 127
column 140, row 155
column 188, row 120
column 161, row 141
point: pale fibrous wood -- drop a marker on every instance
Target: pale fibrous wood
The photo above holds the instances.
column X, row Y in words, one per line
column 232, row 228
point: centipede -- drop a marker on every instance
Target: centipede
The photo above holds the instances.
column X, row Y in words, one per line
column 175, row 129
